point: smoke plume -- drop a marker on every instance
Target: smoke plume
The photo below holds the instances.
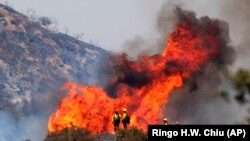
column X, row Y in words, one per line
column 165, row 22
column 199, row 100
column 238, row 15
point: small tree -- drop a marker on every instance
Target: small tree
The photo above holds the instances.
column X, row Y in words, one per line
column 46, row 21
column 241, row 81
column 31, row 14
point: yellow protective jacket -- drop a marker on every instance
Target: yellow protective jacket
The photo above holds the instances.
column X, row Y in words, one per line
column 124, row 115
column 116, row 117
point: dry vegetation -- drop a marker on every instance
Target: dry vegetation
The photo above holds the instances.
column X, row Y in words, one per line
column 77, row 134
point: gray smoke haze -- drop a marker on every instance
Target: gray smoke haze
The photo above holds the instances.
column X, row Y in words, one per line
column 199, row 102
column 237, row 13
column 28, row 127
column 29, row 120
column 139, row 46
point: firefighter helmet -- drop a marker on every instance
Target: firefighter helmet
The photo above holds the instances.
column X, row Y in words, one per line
column 124, row 110
column 165, row 119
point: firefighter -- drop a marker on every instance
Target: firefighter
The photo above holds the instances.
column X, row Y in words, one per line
column 125, row 118
column 177, row 123
column 116, row 119
column 165, row 121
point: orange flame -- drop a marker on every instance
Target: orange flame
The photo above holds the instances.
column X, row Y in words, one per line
column 189, row 47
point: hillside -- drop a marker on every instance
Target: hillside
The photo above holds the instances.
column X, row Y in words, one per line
column 35, row 62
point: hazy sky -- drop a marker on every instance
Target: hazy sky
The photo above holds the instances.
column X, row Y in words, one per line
column 108, row 23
